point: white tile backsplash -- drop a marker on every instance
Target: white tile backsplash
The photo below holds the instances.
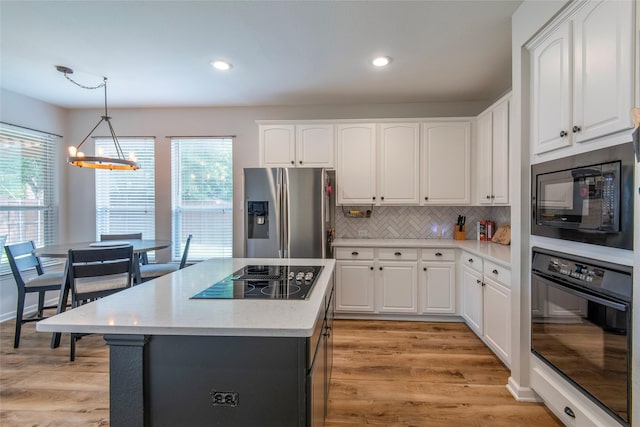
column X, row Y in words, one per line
column 416, row 222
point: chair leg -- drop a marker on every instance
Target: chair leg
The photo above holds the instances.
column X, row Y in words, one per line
column 41, row 303
column 19, row 314
column 72, row 355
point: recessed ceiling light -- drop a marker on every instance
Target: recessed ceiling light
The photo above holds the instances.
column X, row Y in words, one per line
column 381, row 61
column 220, row 65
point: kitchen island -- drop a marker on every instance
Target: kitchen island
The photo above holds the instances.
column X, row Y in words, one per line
column 181, row 361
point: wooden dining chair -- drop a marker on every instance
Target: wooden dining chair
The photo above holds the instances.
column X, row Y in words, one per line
column 97, row 273
column 21, row 259
column 144, row 259
column 153, row 270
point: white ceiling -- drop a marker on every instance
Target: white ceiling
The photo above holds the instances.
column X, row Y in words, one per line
column 157, row 53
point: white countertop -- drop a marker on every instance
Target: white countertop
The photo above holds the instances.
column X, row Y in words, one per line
column 163, row 306
column 495, row 252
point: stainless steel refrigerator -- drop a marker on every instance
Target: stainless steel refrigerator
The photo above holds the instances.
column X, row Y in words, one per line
column 288, row 212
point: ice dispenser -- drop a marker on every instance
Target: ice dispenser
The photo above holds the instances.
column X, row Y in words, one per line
column 258, row 220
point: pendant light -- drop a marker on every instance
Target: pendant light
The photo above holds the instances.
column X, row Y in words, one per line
column 78, row 158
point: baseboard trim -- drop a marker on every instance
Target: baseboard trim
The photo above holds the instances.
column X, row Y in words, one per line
column 522, row 394
column 27, row 310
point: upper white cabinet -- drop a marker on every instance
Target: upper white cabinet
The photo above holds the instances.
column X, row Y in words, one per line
column 493, row 154
column 398, row 171
column 300, row 145
column 582, row 76
column 356, row 173
column 445, row 171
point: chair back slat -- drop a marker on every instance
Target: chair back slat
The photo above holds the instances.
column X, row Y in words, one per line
column 21, row 257
column 104, row 237
column 100, row 262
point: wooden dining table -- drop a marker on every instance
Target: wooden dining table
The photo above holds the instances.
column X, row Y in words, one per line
column 140, row 246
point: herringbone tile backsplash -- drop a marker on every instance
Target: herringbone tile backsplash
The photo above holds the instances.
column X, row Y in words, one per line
column 417, row 222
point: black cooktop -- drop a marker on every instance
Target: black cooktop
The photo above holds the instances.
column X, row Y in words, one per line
column 289, row 282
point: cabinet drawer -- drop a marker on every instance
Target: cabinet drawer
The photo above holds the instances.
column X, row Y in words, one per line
column 439, row 254
column 472, row 261
column 398, row 254
column 498, row 273
column 354, row 253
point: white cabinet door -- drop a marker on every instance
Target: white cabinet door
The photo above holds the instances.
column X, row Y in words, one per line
column 355, row 286
column 399, row 163
column 315, row 146
column 485, row 157
column 472, row 299
column 277, row 146
column 497, row 318
column 551, row 91
column 438, row 287
column 603, row 69
column 500, row 154
column 398, row 287
column 446, row 163
column 356, row 174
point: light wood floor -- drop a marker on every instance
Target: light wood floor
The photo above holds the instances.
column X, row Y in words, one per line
column 385, row 373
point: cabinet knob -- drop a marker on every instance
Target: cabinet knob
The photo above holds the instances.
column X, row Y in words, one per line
column 576, row 129
column 569, row 412
column 354, row 253
column 478, row 281
column 471, row 260
column 292, row 162
column 380, row 268
column 382, row 198
column 426, row 198
column 398, row 253
column 495, row 272
column 300, row 162
column 374, row 197
column 424, row 268
column 370, row 268
column 563, row 134
column 482, row 283
column 438, row 254
column 488, row 196
column 493, row 196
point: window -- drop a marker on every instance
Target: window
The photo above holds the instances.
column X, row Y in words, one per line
column 202, row 196
column 28, row 187
column 125, row 200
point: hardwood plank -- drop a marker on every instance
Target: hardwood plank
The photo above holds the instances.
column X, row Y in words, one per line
column 385, row 373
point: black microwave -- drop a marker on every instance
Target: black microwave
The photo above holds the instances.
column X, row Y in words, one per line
column 585, row 198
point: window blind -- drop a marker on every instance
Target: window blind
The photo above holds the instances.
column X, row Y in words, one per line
column 202, row 196
column 125, row 200
column 28, row 187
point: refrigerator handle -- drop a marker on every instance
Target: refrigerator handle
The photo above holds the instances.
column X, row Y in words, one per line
column 278, row 212
column 286, row 222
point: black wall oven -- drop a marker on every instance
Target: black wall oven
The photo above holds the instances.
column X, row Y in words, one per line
column 586, row 198
column 581, row 325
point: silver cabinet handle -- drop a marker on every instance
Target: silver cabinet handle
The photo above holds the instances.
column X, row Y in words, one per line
column 471, row 260
column 495, row 272
column 354, row 253
column 398, row 254
column 438, row 254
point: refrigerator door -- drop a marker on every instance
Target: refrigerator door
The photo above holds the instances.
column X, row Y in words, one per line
column 303, row 213
column 262, row 213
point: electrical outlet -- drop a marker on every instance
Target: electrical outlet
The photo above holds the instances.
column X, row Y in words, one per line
column 224, row 398
column 363, row 233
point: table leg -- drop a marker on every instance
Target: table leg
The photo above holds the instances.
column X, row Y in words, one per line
column 62, row 304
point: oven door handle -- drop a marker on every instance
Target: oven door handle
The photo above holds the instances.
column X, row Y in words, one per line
column 571, row 290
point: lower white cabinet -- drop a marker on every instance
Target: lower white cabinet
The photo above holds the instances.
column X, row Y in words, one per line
column 355, row 286
column 398, row 287
column 497, row 318
column 437, row 291
column 472, row 299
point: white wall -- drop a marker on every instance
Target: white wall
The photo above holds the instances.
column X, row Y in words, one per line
column 23, row 111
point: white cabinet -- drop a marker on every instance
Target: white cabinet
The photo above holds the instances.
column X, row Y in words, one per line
column 472, row 299
column 355, row 286
column 582, row 76
column 398, row 287
column 300, row 145
column 493, row 154
column 398, row 170
column 497, row 311
column 437, row 284
column 445, row 165
column 356, row 175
